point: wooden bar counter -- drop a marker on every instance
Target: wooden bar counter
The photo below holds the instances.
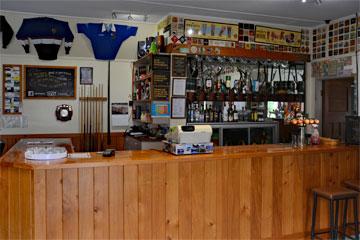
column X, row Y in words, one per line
column 243, row 192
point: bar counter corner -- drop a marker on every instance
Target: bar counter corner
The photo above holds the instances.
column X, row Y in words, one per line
column 243, row 192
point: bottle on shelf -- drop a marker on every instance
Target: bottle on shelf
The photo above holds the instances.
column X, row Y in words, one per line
column 191, row 113
column 196, row 114
column 242, row 114
column 211, row 115
column 215, row 114
column 207, row 114
column 208, row 85
column 230, row 113
column 236, row 114
column 220, row 115
column 202, row 114
column 225, row 113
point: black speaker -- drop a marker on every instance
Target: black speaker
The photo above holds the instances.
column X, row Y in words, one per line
column 149, row 40
column 141, row 49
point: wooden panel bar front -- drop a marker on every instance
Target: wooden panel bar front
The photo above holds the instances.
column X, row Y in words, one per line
column 219, row 196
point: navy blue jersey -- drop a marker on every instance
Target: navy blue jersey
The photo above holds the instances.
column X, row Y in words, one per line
column 106, row 39
column 6, row 30
column 46, row 35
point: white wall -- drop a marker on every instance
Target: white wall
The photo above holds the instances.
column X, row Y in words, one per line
column 40, row 113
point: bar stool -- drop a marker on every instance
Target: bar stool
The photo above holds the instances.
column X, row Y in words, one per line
column 334, row 194
column 353, row 184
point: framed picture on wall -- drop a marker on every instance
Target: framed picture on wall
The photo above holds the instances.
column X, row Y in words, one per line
column 86, row 75
column 178, row 107
column 179, row 87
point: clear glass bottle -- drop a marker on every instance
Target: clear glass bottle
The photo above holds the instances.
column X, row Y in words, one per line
column 315, row 137
column 196, row 113
column 202, row 116
column 230, row 113
column 225, row 113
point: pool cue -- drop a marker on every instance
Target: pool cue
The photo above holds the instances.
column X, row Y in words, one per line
column 108, row 107
column 82, row 127
column 96, row 119
column 88, row 119
column 94, row 122
column 102, row 117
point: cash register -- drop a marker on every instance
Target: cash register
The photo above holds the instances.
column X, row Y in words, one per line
column 195, row 139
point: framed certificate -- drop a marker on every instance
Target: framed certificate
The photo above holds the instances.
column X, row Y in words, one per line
column 178, row 107
column 86, row 75
column 179, row 87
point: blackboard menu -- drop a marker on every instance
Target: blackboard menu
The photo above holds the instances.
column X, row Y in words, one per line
column 161, row 93
column 161, row 62
column 179, row 66
column 50, row 82
column 161, row 83
column 161, row 78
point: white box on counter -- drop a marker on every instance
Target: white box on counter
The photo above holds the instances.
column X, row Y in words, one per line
column 186, row 148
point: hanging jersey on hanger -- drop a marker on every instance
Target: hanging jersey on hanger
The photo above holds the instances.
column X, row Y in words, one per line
column 6, row 30
column 106, row 39
column 46, row 35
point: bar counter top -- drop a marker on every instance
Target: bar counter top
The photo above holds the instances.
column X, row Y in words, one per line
column 238, row 192
column 15, row 156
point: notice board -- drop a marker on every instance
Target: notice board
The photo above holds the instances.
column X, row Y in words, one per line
column 50, row 82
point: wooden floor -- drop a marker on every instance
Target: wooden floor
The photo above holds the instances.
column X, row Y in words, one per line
column 231, row 198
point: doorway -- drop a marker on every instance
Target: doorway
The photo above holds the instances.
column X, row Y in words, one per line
column 336, row 102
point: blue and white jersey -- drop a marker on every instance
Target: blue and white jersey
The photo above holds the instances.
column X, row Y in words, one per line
column 106, row 39
column 7, row 32
column 47, row 35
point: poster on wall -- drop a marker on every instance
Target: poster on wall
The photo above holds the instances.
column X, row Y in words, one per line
column 12, row 81
column 160, row 109
column 211, row 30
column 119, row 114
column 50, row 82
column 86, row 75
column 277, row 36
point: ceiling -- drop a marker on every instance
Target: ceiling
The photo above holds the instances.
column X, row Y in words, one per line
column 288, row 12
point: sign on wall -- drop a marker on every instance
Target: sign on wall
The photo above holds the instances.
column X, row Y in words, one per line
column 211, row 30
column 277, row 36
column 12, row 82
column 50, row 82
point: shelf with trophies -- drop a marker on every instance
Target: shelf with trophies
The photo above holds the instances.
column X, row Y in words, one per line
column 236, row 93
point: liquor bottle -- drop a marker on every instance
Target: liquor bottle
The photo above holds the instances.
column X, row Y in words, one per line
column 228, row 82
column 197, row 113
column 211, row 115
column 230, row 113
column 242, row 114
column 216, row 114
column 236, row 114
column 192, row 113
column 225, row 113
column 208, row 85
column 202, row 116
column 223, row 86
column 189, row 113
column 235, row 87
column 207, row 114
column 220, row 115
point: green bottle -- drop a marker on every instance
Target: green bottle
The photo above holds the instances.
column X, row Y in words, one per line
column 153, row 48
